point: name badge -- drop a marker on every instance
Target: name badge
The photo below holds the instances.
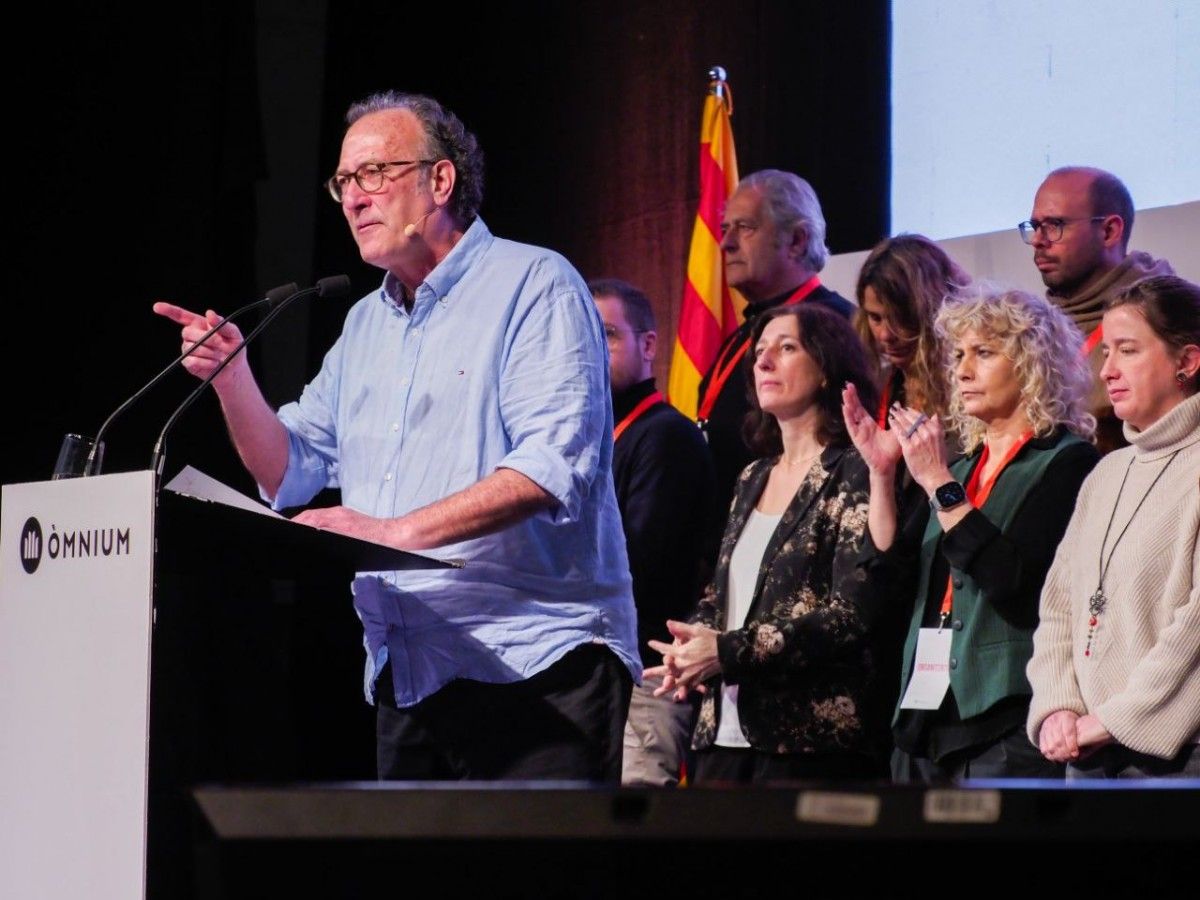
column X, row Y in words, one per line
column 931, row 670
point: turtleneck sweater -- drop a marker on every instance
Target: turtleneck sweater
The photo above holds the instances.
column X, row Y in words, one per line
column 1136, row 521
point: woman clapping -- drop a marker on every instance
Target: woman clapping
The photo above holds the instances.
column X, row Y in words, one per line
column 1018, row 405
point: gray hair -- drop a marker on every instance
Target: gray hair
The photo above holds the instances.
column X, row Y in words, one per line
column 791, row 203
column 445, row 138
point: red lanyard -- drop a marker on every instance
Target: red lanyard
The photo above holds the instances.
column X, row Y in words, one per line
column 721, row 373
column 1092, row 340
column 884, row 402
column 978, row 494
column 635, row 413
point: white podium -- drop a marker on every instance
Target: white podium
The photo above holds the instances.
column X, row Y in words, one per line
column 77, row 588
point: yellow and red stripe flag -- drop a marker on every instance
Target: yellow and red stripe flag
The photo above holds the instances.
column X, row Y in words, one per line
column 710, row 311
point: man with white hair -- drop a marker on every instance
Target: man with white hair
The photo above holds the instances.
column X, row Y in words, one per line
column 773, row 244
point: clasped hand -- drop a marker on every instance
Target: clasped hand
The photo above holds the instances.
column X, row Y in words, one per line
column 1066, row 736
column 689, row 661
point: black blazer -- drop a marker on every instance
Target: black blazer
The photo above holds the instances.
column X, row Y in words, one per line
column 802, row 661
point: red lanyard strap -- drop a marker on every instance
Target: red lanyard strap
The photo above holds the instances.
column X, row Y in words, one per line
column 978, row 492
column 884, row 402
column 1092, row 340
column 635, row 413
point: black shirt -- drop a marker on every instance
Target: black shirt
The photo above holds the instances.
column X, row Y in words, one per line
column 663, row 473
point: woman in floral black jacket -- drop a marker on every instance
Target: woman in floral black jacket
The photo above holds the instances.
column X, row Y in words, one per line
column 780, row 644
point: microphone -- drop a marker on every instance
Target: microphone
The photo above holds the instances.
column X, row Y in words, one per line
column 272, row 299
column 332, row 286
column 411, row 228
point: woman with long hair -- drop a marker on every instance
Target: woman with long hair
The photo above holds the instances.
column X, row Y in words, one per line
column 1116, row 663
column 901, row 286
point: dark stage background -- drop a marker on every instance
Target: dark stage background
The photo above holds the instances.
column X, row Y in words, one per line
column 182, row 159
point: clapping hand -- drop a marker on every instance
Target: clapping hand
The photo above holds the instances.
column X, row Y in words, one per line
column 878, row 447
column 923, row 443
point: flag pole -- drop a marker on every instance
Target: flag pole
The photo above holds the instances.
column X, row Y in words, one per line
column 709, row 311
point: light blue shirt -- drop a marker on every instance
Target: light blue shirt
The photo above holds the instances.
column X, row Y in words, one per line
column 500, row 364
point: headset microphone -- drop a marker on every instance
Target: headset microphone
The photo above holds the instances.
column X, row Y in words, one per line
column 411, row 228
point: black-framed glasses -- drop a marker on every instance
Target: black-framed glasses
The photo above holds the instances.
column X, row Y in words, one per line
column 369, row 176
column 1051, row 228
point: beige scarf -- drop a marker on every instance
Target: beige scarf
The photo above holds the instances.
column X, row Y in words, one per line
column 1087, row 308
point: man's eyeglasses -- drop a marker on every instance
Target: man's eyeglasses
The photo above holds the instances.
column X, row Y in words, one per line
column 1051, row 229
column 369, row 176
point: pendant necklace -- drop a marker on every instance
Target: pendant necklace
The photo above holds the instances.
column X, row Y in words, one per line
column 1098, row 600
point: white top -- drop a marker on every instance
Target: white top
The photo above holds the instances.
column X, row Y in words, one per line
column 744, row 566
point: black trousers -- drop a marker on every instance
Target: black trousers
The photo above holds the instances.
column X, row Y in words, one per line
column 566, row 722
column 1012, row 756
column 736, row 765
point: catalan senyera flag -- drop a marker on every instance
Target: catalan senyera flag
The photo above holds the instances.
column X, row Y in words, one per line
column 710, row 311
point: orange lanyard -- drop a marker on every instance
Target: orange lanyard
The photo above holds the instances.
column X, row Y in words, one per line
column 721, row 373
column 978, row 494
column 1092, row 340
column 635, row 413
column 884, row 403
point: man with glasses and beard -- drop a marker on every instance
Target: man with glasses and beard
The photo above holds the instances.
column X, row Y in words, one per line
column 1079, row 229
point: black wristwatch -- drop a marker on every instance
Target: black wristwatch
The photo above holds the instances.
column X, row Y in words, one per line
column 948, row 496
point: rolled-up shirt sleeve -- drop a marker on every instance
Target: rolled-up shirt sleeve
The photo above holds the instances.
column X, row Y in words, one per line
column 554, row 398
column 311, row 424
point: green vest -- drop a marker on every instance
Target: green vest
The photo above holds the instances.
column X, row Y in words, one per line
column 987, row 653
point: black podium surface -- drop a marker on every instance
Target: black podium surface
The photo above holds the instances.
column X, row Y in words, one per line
column 275, row 546
column 256, row 663
column 811, row 840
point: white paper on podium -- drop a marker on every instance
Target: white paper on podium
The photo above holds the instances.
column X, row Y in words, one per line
column 194, row 483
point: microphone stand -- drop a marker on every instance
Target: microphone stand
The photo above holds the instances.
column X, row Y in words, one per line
column 333, row 286
column 273, row 298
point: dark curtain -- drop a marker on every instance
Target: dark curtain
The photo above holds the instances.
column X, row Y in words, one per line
column 143, row 149
column 589, row 114
column 140, row 149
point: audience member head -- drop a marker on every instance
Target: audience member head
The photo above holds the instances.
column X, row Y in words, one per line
column 629, row 329
column 1079, row 228
column 830, row 355
column 1013, row 354
column 1152, row 348
column 900, row 288
column 772, row 234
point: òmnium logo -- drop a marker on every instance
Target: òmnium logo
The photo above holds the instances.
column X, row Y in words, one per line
column 31, row 545
column 80, row 543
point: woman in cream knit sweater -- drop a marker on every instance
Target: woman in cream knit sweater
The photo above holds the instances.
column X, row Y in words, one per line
column 1116, row 663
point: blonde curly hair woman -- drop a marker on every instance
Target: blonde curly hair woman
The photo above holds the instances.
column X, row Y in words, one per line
column 975, row 566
